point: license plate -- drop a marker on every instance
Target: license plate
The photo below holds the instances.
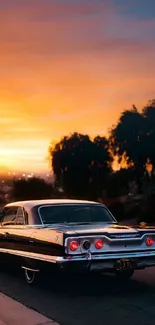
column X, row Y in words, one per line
column 97, row 266
column 123, row 264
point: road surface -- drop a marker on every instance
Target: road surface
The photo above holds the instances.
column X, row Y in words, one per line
column 104, row 302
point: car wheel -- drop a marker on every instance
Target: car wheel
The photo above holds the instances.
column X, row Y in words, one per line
column 124, row 274
column 30, row 276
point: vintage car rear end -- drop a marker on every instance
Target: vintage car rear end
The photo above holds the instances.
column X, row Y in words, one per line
column 104, row 248
column 93, row 241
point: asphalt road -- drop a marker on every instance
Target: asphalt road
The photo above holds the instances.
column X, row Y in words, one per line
column 103, row 302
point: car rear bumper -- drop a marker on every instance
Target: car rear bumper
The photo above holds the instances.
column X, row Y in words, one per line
column 105, row 262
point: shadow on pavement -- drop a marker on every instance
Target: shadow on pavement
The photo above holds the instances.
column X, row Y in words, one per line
column 99, row 285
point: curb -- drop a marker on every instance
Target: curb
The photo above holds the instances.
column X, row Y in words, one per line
column 14, row 313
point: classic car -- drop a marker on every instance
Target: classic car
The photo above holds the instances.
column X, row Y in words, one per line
column 71, row 236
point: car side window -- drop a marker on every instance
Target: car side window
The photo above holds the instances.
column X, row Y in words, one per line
column 9, row 215
column 20, row 219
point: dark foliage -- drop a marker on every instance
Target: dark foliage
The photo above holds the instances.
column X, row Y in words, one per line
column 118, row 182
column 81, row 165
column 31, row 189
column 134, row 138
column 148, row 114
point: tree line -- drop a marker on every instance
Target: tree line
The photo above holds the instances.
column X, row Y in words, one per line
column 83, row 167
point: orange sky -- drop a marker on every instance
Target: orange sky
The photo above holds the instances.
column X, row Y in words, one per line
column 68, row 65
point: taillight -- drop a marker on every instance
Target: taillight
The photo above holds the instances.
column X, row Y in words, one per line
column 149, row 241
column 73, row 246
column 99, row 244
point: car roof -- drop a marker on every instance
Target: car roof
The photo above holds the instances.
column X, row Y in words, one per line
column 32, row 203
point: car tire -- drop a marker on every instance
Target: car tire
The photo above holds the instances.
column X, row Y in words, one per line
column 30, row 276
column 124, row 275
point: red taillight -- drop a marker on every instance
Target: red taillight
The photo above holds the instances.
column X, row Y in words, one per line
column 149, row 241
column 99, row 244
column 73, row 245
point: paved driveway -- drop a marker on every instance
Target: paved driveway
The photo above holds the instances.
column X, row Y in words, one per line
column 103, row 302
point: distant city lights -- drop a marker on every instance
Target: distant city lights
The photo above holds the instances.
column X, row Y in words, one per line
column 49, row 177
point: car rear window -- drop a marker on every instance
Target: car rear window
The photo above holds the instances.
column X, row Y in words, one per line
column 74, row 213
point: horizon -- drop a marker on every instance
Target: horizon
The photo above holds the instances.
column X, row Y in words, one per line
column 66, row 66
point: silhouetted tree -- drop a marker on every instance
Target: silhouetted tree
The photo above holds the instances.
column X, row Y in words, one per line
column 100, row 166
column 2, row 200
column 148, row 113
column 128, row 138
column 83, row 166
column 31, row 189
column 80, row 165
column 2, row 197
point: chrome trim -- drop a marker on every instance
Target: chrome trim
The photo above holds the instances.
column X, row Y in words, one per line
column 85, row 257
column 36, row 256
column 27, row 268
column 107, row 256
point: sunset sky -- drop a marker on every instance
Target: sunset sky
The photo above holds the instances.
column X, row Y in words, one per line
column 69, row 65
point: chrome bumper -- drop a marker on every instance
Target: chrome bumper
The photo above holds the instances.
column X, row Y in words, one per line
column 106, row 256
column 103, row 262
